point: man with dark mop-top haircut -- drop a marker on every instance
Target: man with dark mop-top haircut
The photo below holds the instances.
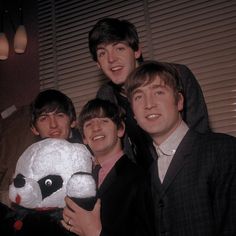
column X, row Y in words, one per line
column 193, row 180
column 115, row 47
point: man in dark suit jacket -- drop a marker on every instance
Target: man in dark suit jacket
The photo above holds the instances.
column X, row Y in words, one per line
column 120, row 181
column 114, row 45
column 194, row 177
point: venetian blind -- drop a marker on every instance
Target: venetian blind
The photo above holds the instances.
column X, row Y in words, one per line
column 200, row 34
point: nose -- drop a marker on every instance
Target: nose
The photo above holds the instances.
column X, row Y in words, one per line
column 111, row 56
column 19, row 181
column 96, row 125
column 52, row 121
column 149, row 101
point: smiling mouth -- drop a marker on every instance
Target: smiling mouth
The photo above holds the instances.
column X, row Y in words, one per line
column 116, row 68
column 152, row 116
column 98, row 137
column 55, row 134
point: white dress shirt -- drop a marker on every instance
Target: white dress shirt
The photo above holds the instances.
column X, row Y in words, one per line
column 167, row 149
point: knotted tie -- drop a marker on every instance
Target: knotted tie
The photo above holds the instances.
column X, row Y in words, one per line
column 95, row 173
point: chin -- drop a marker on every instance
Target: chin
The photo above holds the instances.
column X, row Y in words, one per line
column 118, row 81
column 150, row 129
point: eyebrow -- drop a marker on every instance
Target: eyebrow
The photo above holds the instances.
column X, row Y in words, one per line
column 102, row 46
column 51, row 113
column 153, row 86
column 158, row 85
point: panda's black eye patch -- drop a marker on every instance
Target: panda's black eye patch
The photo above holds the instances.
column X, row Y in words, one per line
column 50, row 184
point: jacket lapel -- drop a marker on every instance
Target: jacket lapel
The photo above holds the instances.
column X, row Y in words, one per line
column 112, row 175
column 178, row 161
column 110, row 178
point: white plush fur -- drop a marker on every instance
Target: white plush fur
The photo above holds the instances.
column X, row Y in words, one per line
column 53, row 157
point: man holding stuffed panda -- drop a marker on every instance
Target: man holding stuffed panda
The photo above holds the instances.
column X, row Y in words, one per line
column 123, row 203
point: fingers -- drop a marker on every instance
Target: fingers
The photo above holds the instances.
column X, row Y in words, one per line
column 69, row 227
column 68, row 217
column 98, row 204
column 97, row 207
column 69, row 222
column 71, row 204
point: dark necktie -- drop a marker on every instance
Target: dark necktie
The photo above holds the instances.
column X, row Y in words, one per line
column 95, row 172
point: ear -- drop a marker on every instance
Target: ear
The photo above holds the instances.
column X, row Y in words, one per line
column 98, row 65
column 73, row 124
column 85, row 141
column 138, row 53
column 34, row 130
column 180, row 102
column 121, row 130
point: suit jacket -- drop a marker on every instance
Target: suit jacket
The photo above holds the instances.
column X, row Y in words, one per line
column 136, row 141
column 123, row 201
column 198, row 194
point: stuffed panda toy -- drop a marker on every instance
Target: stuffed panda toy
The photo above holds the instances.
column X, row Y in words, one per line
column 45, row 174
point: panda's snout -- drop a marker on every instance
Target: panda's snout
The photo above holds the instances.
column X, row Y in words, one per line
column 19, row 181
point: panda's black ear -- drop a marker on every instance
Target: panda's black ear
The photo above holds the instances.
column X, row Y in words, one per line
column 19, row 181
column 50, row 184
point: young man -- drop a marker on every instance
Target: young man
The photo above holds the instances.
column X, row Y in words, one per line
column 194, row 177
column 119, row 179
column 53, row 115
column 114, row 45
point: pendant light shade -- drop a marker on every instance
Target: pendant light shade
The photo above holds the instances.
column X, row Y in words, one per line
column 20, row 39
column 4, row 46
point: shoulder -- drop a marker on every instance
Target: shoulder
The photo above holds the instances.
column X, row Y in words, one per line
column 186, row 75
column 106, row 88
column 76, row 136
column 211, row 137
column 107, row 92
column 181, row 68
column 220, row 137
column 221, row 150
column 217, row 145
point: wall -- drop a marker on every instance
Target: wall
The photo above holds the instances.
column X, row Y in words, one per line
column 19, row 79
column 19, row 84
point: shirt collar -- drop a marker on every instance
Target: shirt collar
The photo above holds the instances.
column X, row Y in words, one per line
column 170, row 145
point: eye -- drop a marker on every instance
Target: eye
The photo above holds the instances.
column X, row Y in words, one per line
column 105, row 120
column 48, row 182
column 61, row 115
column 87, row 124
column 42, row 118
column 100, row 53
column 137, row 97
column 120, row 49
column 159, row 92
